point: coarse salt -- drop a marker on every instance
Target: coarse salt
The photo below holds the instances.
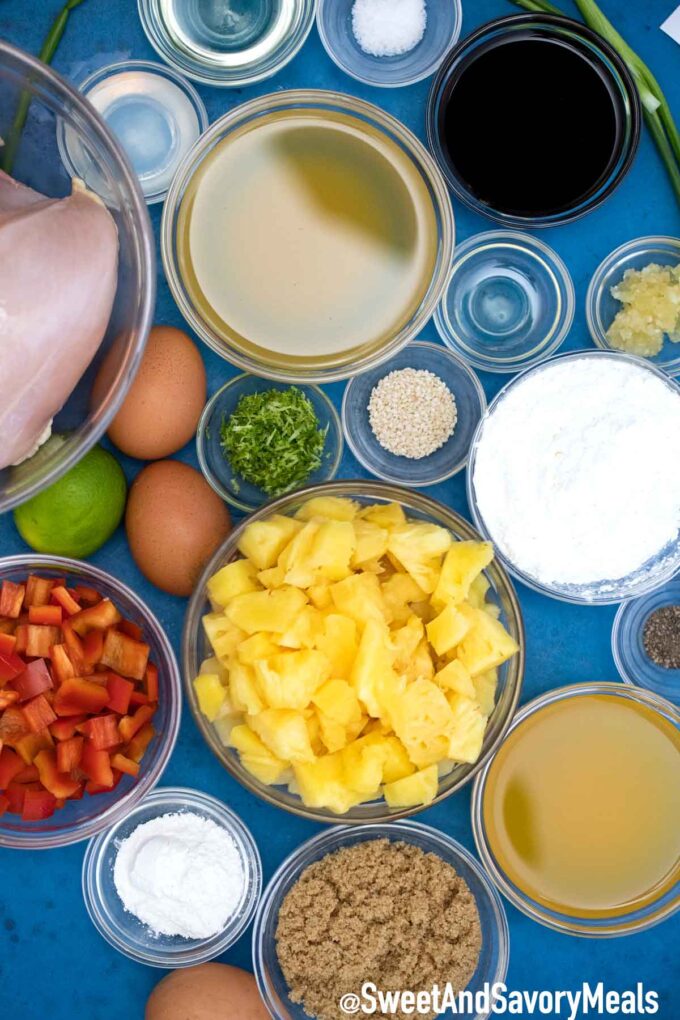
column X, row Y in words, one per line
column 388, row 28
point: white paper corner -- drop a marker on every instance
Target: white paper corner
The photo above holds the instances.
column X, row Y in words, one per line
column 671, row 25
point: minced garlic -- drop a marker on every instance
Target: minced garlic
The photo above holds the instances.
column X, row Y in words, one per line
column 651, row 309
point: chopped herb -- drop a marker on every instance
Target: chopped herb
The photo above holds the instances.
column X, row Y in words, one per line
column 273, row 439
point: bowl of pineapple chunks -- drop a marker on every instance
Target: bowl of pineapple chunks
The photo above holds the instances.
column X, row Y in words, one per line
column 354, row 650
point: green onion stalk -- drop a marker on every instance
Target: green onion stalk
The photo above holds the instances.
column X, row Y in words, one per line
column 49, row 48
column 657, row 112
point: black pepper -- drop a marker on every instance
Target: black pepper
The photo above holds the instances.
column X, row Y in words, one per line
column 661, row 637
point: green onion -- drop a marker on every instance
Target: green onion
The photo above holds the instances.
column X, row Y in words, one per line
column 657, row 112
column 49, row 48
column 273, row 439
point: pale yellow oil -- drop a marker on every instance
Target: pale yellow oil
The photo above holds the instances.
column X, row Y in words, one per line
column 307, row 235
column 582, row 806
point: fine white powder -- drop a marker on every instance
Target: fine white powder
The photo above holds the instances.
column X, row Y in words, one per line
column 180, row 874
column 576, row 474
column 388, row 28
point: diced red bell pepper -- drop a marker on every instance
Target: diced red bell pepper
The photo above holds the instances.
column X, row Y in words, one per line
column 15, row 796
column 32, row 744
column 4, row 804
column 7, row 626
column 99, row 617
column 125, row 655
column 11, row 664
column 8, row 697
column 64, row 729
column 120, row 692
column 38, row 590
column 96, row 765
column 28, row 774
column 38, row 805
column 151, row 682
column 13, row 725
column 61, row 663
column 131, row 724
column 69, row 753
column 7, row 642
column 102, row 731
column 58, row 783
column 21, row 635
column 10, row 766
column 93, row 647
column 132, row 630
column 33, row 681
column 39, row 640
column 50, row 616
column 61, row 597
column 74, row 647
column 39, row 713
column 139, row 743
column 79, row 697
column 138, row 698
column 85, row 595
column 126, row 765
column 11, row 599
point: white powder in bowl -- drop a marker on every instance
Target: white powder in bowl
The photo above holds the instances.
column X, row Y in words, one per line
column 388, row 28
column 576, row 473
column 180, row 874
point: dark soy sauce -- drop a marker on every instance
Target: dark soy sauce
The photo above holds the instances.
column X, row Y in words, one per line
column 531, row 126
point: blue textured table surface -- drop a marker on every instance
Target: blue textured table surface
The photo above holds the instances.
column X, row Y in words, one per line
column 52, row 962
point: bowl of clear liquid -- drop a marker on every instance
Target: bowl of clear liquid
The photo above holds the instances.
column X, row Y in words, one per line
column 509, row 303
column 227, row 42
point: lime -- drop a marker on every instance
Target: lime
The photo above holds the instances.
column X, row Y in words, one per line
column 76, row 515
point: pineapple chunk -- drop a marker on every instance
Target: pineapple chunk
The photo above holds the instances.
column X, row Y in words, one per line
column 332, row 550
column 372, row 675
column 422, row 719
column 398, row 592
column 338, row 701
column 224, row 726
column 362, row 764
column 485, row 691
column 419, row 788
column 272, row 577
column 477, row 593
column 370, row 543
column 455, row 677
column 243, row 688
column 266, row 610
column 285, row 733
column 338, row 642
column 418, row 547
column 421, row 664
column 215, row 665
column 321, row 784
column 296, row 558
column 263, row 541
column 289, row 679
column 360, row 598
column 405, row 641
column 303, row 633
column 463, row 563
column 397, row 763
column 385, row 515
column 258, row 646
column 211, row 694
column 333, row 508
column 232, row 580
column 467, row 735
column 487, row 643
column 320, row 595
column 333, row 734
column 256, row 757
column 313, row 724
column 448, row 629
column 223, row 635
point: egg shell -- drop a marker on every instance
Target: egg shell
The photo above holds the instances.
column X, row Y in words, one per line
column 174, row 523
column 161, row 410
column 211, row 991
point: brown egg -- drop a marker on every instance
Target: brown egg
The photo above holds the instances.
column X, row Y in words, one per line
column 211, row 991
column 174, row 523
column 161, row 410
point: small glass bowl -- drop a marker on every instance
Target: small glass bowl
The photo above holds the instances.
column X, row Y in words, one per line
column 634, row 665
column 601, row 307
column 123, row 930
column 509, row 303
column 81, row 819
column 493, row 961
column 590, row 926
column 449, row 458
column 334, row 22
column 207, row 57
column 215, row 466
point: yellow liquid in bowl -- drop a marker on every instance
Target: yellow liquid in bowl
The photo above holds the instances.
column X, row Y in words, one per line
column 307, row 235
column 582, row 806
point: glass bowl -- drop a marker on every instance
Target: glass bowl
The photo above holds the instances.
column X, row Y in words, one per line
column 593, row 48
column 449, row 458
column 493, row 961
column 634, row 665
column 247, row 354
column 334, row 22
column 509, row 303
column 591, row 926
column 127, row 933
column 195, row 647
column 190, row 37
column 601, row 307
column 81, row 819
column 84, row 418
column 608, row 591
column 217, row 469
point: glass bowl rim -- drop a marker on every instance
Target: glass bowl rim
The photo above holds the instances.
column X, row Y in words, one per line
column 605, row 599
column 466, row 369
column 375, row 80
column 359, row 488
column 364, row 111
column 139, row 792
column 565, row 923
column 183, row 798
column 563, row 283
column 621, row 626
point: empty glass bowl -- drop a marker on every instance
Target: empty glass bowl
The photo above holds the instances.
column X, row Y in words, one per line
column 509, row 303
column 123, row 930
column 632, row 661
column 448, row 459
column 334, row 21
column 231, row 486
column 601, row 307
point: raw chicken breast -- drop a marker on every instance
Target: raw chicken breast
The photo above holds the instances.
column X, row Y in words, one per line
column 58, row 277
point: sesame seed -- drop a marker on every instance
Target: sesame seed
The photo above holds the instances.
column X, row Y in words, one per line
column 412, row 413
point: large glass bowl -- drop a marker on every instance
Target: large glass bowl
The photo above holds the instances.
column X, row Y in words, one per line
column 195, row 647
column 494, row 957
column 246, row 353
column 81, row 819
column 83, row 419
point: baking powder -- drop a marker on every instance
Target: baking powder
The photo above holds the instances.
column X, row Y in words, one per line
column 180, row 874
column 576, row 473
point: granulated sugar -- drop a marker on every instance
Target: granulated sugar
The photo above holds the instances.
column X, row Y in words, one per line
column 388, row 28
